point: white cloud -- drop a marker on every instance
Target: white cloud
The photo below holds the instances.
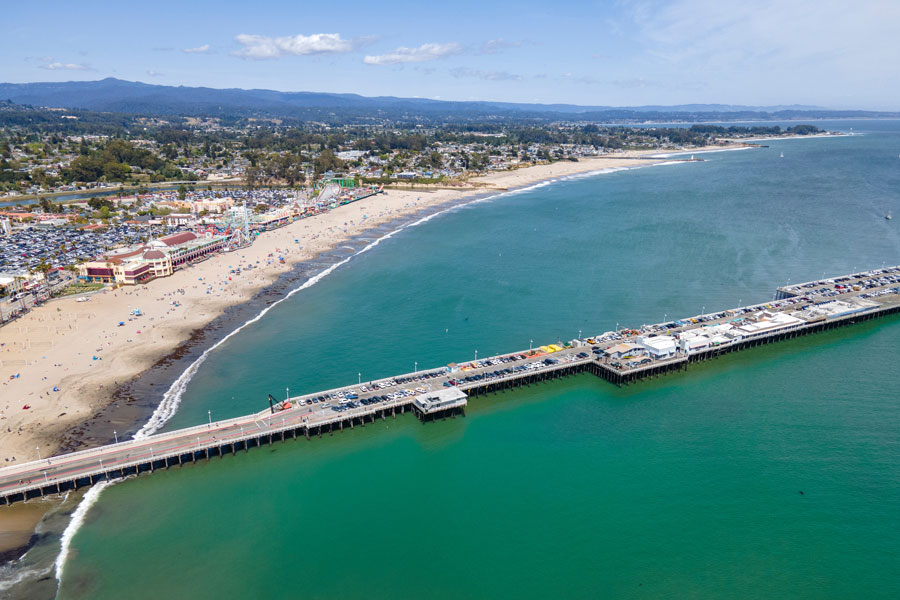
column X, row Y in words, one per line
column 582, row 79
column 485, row 75
column 260, row 47
column 422, row 53
column 59, row 66
column 811, row 51
column 497, row 45
column 152, row 73
column 631, row 82
column 198, row 50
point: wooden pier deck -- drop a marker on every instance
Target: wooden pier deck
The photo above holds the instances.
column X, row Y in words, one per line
column 861, row 297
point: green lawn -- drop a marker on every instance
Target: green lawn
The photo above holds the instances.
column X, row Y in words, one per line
column 79, row 288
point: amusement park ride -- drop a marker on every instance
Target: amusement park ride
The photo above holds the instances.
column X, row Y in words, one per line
column 235, row 227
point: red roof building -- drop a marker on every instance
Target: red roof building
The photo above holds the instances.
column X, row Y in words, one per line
column 178, row 238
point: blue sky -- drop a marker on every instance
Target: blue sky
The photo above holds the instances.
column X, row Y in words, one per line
column 831, row 53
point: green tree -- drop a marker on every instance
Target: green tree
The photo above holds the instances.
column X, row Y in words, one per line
column 44, row 266
column 327, row 161
column 116, row 171
column 252, row 176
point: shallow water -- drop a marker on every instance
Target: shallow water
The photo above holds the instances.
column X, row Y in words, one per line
column 683, row 486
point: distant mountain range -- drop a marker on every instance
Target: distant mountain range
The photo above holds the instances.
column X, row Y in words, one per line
column 116, row 95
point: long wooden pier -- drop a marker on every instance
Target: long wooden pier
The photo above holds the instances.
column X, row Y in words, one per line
column 442, row 393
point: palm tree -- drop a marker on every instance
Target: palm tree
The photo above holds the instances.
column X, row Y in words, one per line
column 19, row 279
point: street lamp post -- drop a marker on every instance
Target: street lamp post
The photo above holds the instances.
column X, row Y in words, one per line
column 415, row 367
column 579, row 334
column 209, row 414
column 476, row 355
column 116, row 436
column 38, row 452
column 530, row 344
column 359, row 379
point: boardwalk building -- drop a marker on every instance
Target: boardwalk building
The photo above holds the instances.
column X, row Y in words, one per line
column 159, row 258
column 188, row 247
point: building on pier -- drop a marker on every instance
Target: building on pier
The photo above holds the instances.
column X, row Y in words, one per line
column 660, row 346
column 713, row 336
column 766, row 322
column 624, row 349
column 439, row 401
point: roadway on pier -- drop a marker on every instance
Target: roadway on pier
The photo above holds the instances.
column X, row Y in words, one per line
column 216, row 433
column 880, row 286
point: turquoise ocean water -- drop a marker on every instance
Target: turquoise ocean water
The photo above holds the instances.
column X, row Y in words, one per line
column 685, row 486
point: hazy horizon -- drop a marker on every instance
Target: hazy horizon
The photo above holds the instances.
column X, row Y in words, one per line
column 627, row 53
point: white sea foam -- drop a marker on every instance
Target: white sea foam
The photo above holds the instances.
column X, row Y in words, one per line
column 23, row 575
column 90, row 498
column 172, row 398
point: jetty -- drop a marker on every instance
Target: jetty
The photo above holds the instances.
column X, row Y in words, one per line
column 621, row 357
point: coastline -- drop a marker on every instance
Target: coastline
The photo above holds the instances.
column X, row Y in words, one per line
column 119, row 391
column 811, row 136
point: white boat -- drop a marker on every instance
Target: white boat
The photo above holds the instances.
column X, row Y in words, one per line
column 888, row 216
column 782, row 155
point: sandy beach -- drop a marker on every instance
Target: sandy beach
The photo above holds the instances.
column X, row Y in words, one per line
column 64, row 360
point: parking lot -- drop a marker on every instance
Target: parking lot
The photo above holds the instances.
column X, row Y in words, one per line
column 24, row 249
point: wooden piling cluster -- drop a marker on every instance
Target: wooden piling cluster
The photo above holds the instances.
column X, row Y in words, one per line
column 526, row 378
column 336, row 424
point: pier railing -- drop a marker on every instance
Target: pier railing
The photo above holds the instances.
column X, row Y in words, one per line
column 125, row 458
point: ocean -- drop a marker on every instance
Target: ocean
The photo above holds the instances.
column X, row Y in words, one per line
column 771, row 473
